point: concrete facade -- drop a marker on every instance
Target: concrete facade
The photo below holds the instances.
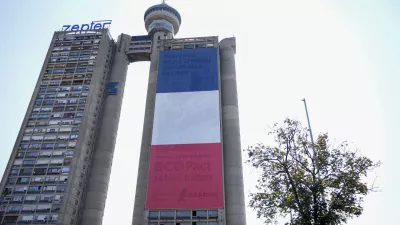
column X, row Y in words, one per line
column 76, row 156
column 235, row 210
column 96, row 190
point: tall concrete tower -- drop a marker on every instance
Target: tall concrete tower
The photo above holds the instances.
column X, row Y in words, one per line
column 190, row 166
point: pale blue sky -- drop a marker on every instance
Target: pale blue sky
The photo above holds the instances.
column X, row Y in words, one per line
column 342, row 55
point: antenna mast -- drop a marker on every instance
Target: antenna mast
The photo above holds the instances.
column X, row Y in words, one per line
column 308, row 120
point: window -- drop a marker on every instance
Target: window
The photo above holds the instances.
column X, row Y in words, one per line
column 76, row 94
column 74, row 136
column 26, row 138
column 51, row 179
column 58, row 153
column 76, row 88
column 61, row 145
column 39, row 130
column 200, row 213
column 50, row 138
column 31, row 198
column 81, row 108
column 32, row 189
column 65, row 129
column 28, row 208
column 20, row 155
column 23, row 180
column 50, row 89
column 60, row 102
column 39, row 171
column 167, row 214
column 42, row 123
column 65, row 88
column 75, row 129
column 13, row 209
column 29, row 130
column 37, row 138
column 81, row 70
column 54, row 171
column 153, row 214
column 37, row 179
column 73, row 101
column 56, row 115
column 11, row 180
column 49, row 188
column 58, row 109
column 53, row 217
column 34, row 116
column 68, row 76
column 43, row 162
column 29, row 162
column 34, row 146
column 70, row 108
column 17, row 162
column 46, row 109
column 23, row 146
column 71, row 144
column 63, row 137
column 65, row 170
column 45, row 153
column 48, row 146
column 62, row 95
column 67, row 161
column 42, row 218
column 53, row 130
column 56, row 161
column 213, row 213
column 48, row 102
column 50, row 95
column 63, row 179
column 32, row 154
column 66, row 83
column 60, row 188
column 66, row 122
column 20, row 189
column 14, row 172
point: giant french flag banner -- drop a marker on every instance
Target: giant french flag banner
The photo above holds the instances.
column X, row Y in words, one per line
column 185, row 157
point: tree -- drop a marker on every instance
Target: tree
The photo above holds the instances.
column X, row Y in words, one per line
column 320, row 184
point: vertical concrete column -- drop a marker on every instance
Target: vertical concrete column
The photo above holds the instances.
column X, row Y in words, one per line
column 142, row 179
column 97, row 184
column 233, row 172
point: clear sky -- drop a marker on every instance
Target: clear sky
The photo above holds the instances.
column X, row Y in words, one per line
column 342, row 56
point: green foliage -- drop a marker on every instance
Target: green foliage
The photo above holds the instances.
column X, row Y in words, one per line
column 316, row 184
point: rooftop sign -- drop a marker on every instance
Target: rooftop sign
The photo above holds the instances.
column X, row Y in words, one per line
column 94, row 25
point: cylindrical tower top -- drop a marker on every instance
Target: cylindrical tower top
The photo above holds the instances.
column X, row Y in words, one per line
column 162, row 17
